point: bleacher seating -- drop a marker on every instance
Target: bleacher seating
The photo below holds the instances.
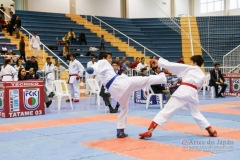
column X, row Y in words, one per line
column 51, row 27
column 216, row 36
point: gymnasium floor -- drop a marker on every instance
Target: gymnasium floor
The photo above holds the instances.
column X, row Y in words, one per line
column 86, row 132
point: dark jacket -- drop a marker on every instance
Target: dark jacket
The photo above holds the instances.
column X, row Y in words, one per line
column 34, row 65
column 18, row 23
column 22, row 47
column 35, row 76
column 158, row 88
column 213, row 77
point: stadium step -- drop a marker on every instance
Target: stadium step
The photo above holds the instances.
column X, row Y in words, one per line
column 186, row 44
column 109, row 37
column 29, row 50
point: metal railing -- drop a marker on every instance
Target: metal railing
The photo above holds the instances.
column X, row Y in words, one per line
column 44, row 46
column 114, row 33
column 232, row 58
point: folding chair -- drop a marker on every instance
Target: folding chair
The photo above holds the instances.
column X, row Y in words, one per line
column 59, row 86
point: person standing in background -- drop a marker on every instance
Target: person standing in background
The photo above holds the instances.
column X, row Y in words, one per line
column 12, row 9
column 102, row 43
column 75, row 73
column 49, row 76
column 18, row 26
column 72, row 36
column 58, row 68
column 1, row 13
column 22, row 49
column 35, row 42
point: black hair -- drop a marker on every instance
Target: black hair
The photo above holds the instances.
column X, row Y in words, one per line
column 216, row 64
column 19, row 73
column 114, row 62
column 154, row 68
column 92, row 57
column 6, row 61
column 48, row 58
column 143, row 69
column 103, row 55
column 71, row 54
column 198, row 59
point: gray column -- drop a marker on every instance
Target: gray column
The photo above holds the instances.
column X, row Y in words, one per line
column 72, row 8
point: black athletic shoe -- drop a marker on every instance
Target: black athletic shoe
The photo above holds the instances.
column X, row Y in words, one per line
column 48, row 103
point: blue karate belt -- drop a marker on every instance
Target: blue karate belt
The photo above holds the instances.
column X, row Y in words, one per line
column 110, row 82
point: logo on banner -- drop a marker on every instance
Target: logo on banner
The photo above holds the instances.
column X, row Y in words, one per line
column 1, row 100
column 31, row 98
column 14, row 100
column 235, row 85
column 228, row 84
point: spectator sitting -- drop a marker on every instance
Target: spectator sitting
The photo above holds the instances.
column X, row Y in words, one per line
column 134, row 65
column 65, row 39
column 66, row 51
column 18, row 65
column 117, row 59
column 32, row 74
column 180, row 60
column 141, row 65
column 144, row 72
column 22, row 74
column 82, row 38
column 32, row 64
column 125, row 65
column 216, row 80
column 153, row 62
column 3, row 23
column 72, row 36
column 160, row 88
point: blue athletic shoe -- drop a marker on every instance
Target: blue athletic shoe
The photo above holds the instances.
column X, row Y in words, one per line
column 121, row 134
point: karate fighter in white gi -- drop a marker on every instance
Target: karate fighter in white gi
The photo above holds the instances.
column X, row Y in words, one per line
column 186, row 95
column 49, row 76
column 121, row 86
column 8, row 72
column 75, row 72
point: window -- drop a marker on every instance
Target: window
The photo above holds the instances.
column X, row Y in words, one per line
column 234, row 4
column 207, row 6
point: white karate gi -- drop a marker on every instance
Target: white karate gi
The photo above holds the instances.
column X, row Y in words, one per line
column 8, row 73
column 35, row 42
column 122, row 87
column 49, row 77
column 185, row 95
column 75, row 69
column 140, row 66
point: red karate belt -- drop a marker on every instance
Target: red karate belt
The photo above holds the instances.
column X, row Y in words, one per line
column 189, row 84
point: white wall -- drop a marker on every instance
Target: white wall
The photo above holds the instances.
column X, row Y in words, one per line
column 218, row 13
column 109, row 8
column 148, row 8
column 55, row 6
column 181, row 7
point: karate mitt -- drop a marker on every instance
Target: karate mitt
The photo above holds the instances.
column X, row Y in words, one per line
column 78, row 77
column 90, row 70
